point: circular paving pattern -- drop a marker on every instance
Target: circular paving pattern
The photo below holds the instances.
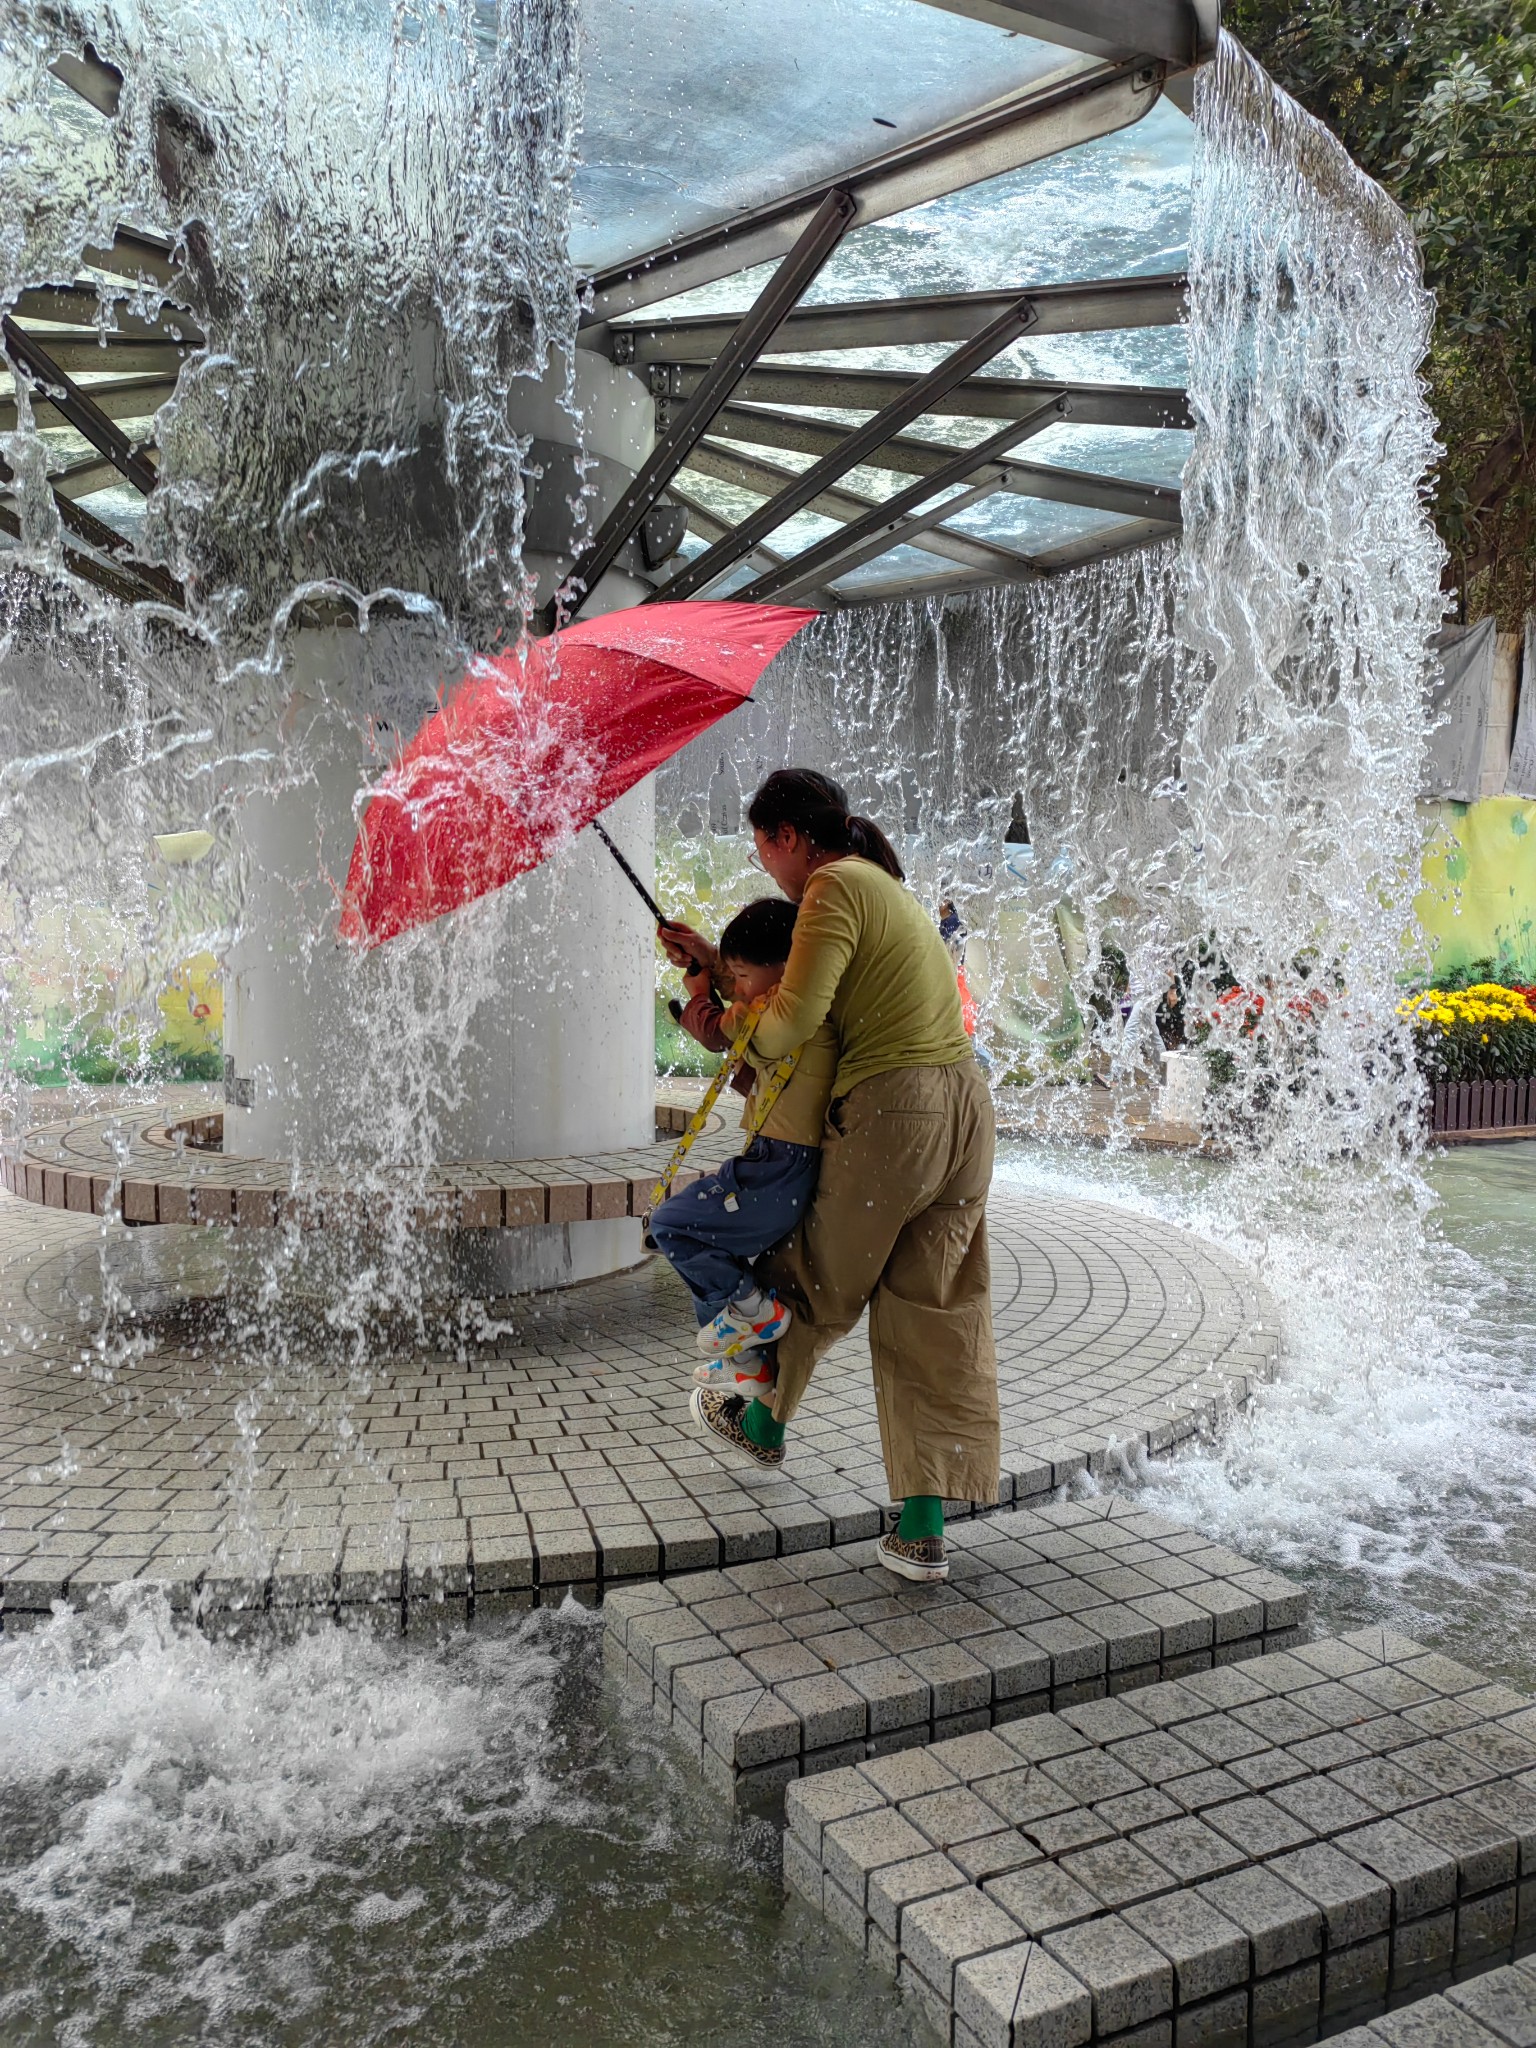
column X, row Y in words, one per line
column 552, row 1447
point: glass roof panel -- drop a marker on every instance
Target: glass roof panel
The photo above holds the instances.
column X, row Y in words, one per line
column 1144, row 455
column 1117, row 207
column 1031, row 525
column 703, row 109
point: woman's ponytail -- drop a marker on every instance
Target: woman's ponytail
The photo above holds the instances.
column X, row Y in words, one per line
column 817, row 807
column 866, row 838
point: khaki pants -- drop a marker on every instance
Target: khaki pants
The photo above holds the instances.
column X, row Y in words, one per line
column 899, row 1223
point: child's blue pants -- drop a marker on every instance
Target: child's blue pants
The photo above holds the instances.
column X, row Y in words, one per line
column 713, row 1230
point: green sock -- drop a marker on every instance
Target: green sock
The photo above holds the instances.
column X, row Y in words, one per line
column 922, row 1514
column 760, row 1426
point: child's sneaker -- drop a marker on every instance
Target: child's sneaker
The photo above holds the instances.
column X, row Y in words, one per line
column 747, row 1373
column 737, row 1329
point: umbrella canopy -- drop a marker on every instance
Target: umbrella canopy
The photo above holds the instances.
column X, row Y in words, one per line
column 532, row 746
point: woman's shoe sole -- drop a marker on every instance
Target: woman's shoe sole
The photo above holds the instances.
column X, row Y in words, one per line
column 909, row 1568
column 723, row 1448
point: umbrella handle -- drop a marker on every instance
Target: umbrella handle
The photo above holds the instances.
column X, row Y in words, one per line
column 693, row 966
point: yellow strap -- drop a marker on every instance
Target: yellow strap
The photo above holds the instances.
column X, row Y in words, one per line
column 768, row 1094
column 700, row 1116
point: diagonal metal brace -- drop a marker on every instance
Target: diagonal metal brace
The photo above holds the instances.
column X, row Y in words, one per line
column 886, row 523
column 854, row 448
column 83, row 413
column 823, row 232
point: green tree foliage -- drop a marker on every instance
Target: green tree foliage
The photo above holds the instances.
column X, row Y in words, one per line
column 1436, row 99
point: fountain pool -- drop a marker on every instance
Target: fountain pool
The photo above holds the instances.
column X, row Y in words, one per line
column 307, row 1832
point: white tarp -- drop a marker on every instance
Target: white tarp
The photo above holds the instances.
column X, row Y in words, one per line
column 1459, row 707
column 1521, row 777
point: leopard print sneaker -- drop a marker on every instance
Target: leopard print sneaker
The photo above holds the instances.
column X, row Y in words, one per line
column 923, row 1558
column 720, row 1417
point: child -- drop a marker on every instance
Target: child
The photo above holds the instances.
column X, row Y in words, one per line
column 713, row 1230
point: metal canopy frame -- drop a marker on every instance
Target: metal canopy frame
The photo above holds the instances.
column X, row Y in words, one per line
column 981, row 398
column 740, row 350
column 887, row 524
column 838, row 501
column 1039, row 122
column 1140, row 47
column 713, row 377
column 901, row 408
column 133, row 368
column 1094, row 307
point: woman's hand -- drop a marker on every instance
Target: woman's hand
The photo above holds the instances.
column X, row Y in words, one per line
column 685, row 947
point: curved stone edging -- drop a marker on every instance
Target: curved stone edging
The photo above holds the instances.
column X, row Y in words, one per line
column 117, row 1164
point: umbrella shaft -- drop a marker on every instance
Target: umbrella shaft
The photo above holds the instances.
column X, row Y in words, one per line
column 640, row 889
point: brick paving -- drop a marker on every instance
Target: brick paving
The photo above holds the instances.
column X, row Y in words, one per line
column 789, row 1666
column 1242, row 1855
column 1099, row 1787
column 558, row 1451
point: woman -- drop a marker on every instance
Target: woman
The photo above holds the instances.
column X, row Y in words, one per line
column 899, row 1218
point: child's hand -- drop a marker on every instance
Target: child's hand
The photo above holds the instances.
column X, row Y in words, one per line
column 697, row 984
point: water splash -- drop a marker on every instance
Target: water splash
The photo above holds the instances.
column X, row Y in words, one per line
column 1213, row 747
column 310, row 1834
column 179, row 1809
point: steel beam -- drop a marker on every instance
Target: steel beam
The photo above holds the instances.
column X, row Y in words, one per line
column 80, row 305
column 1117, row 540
column 1093, row 308
column 75, row 405
column 1170, row 29
column 916, row 529
column 993, row 398
column 907, row 455
column 904, row 406
column 836, row 501
column 82, row 479
column 80, row 354
column 103, row 574
column 1121, row 495
column 712, row 527
column 97, row 82
column 902, row 589
column 136, row 398
column 749, row 336
column 887, row 524
column 106, row 540
column 133, row 253
column 1049, row 117
column 1094, row 547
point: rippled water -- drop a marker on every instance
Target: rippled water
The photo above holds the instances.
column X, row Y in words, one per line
column 336, row 1836
column 1392, row 1464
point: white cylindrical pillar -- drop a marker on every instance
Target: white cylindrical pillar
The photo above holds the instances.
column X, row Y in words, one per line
column 555, row 1057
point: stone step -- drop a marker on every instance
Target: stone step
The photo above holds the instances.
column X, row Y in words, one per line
column 1494, row 2010
column 786, row 1666
column 1239, row 1856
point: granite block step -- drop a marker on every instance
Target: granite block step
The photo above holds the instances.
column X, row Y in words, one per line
column 1262, row 1851
column 784, row 1666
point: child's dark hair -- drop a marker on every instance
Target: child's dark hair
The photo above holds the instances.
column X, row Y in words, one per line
column 816, row 806
column 760, row 933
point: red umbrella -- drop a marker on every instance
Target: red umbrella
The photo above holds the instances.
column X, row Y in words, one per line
column 532, row 745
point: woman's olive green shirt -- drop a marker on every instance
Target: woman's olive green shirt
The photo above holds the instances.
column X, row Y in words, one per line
column 866, row 955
